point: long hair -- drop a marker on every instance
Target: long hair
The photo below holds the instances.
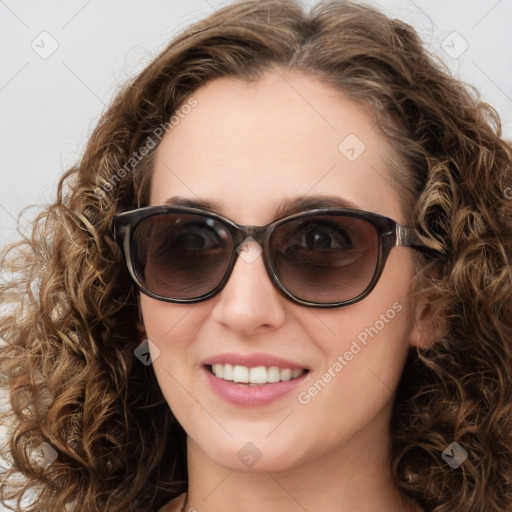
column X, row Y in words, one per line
column 89, row 429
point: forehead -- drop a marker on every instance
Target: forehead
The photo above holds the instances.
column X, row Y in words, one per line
column 250, row 146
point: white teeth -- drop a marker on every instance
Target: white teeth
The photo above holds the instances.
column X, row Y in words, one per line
column 286, row 374
column 241, row 374
column 256, row 375
column 218, row 369
column 296, row 373
column 228, row 371
column 273, row 374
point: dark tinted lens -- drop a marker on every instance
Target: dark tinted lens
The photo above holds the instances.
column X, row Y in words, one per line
column 180, row 256
column 325, row 259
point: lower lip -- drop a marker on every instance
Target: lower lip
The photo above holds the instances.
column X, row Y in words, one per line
column 259, row 394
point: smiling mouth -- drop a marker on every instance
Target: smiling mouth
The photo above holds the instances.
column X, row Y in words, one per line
column 256, row 376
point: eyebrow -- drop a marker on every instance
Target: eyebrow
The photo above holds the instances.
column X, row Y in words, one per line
column 285, row 208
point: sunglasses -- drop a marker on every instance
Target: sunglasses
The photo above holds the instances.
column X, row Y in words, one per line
column 325, row 258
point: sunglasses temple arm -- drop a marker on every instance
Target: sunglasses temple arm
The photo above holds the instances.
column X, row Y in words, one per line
column 407, row 237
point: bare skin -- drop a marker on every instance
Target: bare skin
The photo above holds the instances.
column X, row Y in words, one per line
column 252, row 147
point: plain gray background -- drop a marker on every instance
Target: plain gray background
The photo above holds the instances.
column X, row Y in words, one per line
column 62, row 62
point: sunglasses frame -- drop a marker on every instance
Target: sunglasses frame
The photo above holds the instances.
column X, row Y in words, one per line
column 390, row 234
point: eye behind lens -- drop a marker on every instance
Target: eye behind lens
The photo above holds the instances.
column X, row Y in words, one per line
column 181, row 256
column 325, row 259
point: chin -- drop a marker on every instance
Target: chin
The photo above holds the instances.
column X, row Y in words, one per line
column 257, row 456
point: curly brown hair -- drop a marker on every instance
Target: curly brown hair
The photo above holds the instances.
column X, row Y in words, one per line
column 71, row 310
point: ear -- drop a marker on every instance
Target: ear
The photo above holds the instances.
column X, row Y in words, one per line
column 422, row 332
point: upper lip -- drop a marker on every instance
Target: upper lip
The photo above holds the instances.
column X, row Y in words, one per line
column 252, row 360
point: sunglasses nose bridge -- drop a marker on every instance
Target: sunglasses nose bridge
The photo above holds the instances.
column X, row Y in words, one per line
column 247, row 233
column 241, row 234
column 257, row 233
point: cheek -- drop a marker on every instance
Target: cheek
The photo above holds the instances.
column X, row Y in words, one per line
column 364, row 356
column 358, row 341
column 175, row 329
column 164, row 321
column 171, row 329
column 364, row 345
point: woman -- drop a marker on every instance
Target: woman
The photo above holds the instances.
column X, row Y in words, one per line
column 279, row 278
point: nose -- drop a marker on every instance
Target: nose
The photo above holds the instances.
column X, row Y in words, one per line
column 250, row 302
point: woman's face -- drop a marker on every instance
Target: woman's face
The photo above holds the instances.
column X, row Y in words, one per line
column 250, row 148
